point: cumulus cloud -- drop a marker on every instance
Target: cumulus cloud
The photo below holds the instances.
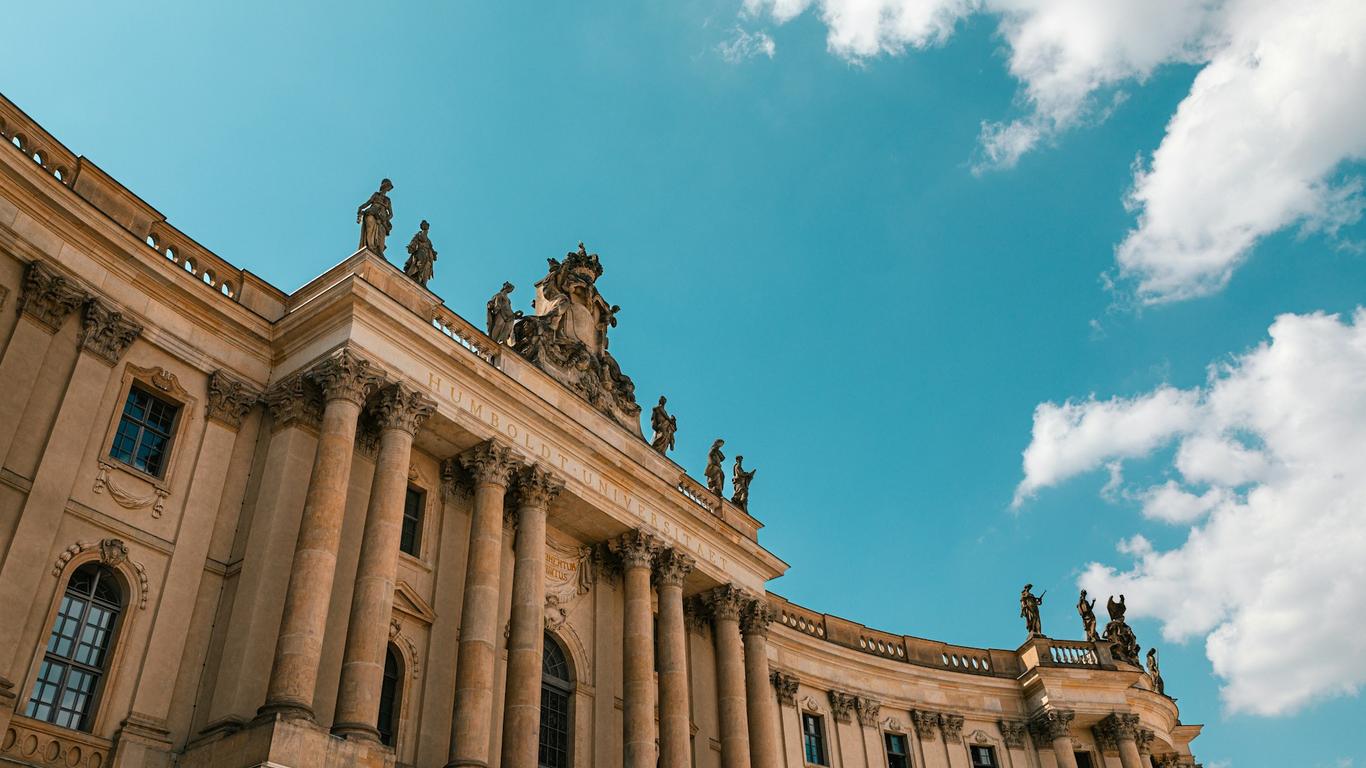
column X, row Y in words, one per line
column 744, row 44
column 1258, row 144
column 1269, row 479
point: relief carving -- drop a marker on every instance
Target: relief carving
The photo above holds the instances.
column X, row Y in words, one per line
column 113, row 553
column 399, row 406
column 726, row 602
column 1012, row 733
column 344, row 375
column 1051, row 724
column 635, row 549
column 842, row 705
column 295, row 401
column 47, row 297
column 106, row 332
column 490, row 462
column 785, row 685
column 396, row 636
column 756, row 616
column 230, row 399
column 672, row 567
column 951, row 726
column 926, row 723
column 537, row 486
column 867, row 710
column 156, row 498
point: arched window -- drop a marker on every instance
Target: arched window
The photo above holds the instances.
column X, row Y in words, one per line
column 389, row 691
column 555, row 689
column 77, row 650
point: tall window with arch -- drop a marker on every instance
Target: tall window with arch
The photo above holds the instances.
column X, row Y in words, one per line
column 555, row 692
column 389, row 691
column 78, row 648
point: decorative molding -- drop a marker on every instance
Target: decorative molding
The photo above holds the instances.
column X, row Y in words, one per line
column 811, row 705
column 456, row 481
column 1144, row 737
column 1013, row 733
column 397, row 637
column 755, row 617
column 635, row 549
column 951, row 726
column 161, row 380
column 490, row 462
column 104, row 480
column 979, row 736
column 295, row 401
column 1051, row 724
column 106, row 332
column 4, row 294
column 409, row 602
column 672, row 567
column 726, row 602
column 867, row 710
column 537, row 486
column 842, row 705
column 344, row 375
column 113, row 553
column 894, row 725
column 230, row 399
column 926, row 723
column 1113, row 728
column 47, row 297
column 399, row 406
column 785, row 685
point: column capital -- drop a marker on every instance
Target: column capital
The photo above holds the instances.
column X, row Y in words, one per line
column 1144, row 737
column 672, row 567
column 1012, row 733
column 755, row 617
column 1052, row 724
column 344, row 375
column 490, row 462
column 926, row 723
column 1114, row 727
column 230, row 399
column 537, row 486
column 106, row 332
column 47, row 296
column 635, row 549
column 785, row 685
column 726, row 602
column 399, row 406
column 294, row 400
column 951, row 726
column 867, row 710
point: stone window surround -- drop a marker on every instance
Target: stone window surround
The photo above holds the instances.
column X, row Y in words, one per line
column 164, row 385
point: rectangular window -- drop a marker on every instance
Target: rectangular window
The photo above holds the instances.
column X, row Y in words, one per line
column 983, row 757
column 410, row 540
column 1083, row 759
column 143, row 438
column 813, row 739
column 897, row 754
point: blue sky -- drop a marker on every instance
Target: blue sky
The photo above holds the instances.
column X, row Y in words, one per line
column 882, row 257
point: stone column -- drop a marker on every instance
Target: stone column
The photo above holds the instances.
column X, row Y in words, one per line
column 346, row 381
column 637, row 551
column 726, row 603
column 1144, row 738
column 785, row 688
column 675, row 720
column 491, row 464
column 927, row 733
column 761, row 708
column 1053, row 727
column 951, row 728
column 1013, row 736
column 46, row 300
column 1120, row 731
column 399, row 412
column 536, row 487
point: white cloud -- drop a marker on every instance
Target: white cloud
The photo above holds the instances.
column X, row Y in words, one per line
column 1256, row 146
column 746, row 45
column 1271, row 572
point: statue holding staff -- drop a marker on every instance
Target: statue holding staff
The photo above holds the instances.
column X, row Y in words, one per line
column 1088, row 617
column 1029, row 610
column 375, row 217
column 739, row 481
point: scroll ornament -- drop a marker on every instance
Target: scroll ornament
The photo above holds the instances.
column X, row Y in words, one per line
column 113, row 553
column 104, row 480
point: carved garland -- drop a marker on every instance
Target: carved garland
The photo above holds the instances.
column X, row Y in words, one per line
column 127, row 499
column 113, row 552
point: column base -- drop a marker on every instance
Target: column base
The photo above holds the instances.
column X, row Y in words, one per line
column 142, row 741
column 467, row 764
column 355, row 732
column 285, row 710
column 287, row 743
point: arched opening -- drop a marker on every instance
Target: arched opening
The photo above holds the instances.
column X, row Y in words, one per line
column 556, row 688
column 78, row 649
column 389, row 691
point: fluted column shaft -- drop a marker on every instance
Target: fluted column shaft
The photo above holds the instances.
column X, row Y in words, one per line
column 536, row 486
column 765, row 746
column 637, row 551
column 400, row 411
column 675, row 726
column 346, row 381
column 491, row 464
column 725, row 603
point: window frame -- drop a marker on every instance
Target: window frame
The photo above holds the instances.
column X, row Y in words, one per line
column 991, row 750
column 420, row 534
column 565, row 687
column 391, row 650
column 905, row 753
column 820, row 736
column 164, row 386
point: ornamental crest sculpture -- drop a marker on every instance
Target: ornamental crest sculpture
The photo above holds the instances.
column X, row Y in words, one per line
column 567, row 337
column 1118, row 633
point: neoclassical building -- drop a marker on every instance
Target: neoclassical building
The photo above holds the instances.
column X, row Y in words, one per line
column 345, row 526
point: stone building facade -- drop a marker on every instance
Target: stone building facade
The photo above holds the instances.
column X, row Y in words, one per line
column 342, row 526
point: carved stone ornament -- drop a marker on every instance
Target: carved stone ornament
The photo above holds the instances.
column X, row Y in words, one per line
column 952, row 727
column 1169, row 760
column 294, row 401
column 567, row 338
column 47, row 297
column 926, row 723
column 344, row 375
column 696, row 614
column 399, row 406
column 230, row 399
column 894, row 725
column 979, row 736
column 811, row 705
column 635, row 549
column 756, row 616
column 113, row 553
column 785, row 685
column 537, row 486
column 1123, row 643
column 556, row 615
column 106, row 333
column 1114, row 728
column 842, row 705
column 376, row 216
column 456, row 481
column 672, row 567
column 1051, row 724
column 490, row 462
column 1105, row 739
column 397, row 637
column 128, row 499
column 1144, row 737
column 867, row 710
column 568, row 571
column 1012, row 733
column 726, row 602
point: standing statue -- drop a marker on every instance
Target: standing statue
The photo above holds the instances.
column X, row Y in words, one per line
column 375, row 217
column 1155, row 673
column 501, row 316
column 664, row 426
column 1123, row 642
column 716, row 477
column 1029, row 610
column 1088, row 617
column 739, row 481
column 421, row 256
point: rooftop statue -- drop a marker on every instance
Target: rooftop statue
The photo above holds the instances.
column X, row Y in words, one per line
column 739, row 481
column 567, row 337
column 716, row 477
column 501, row 316
column 1029, row 610
column 375, row 217
column 1155, row 673
column 1087, row 610
column 421, row 256
column 1123, row 642
column 664, row 427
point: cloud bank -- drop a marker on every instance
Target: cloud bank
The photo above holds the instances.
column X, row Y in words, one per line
column 1259, row 144
column 1268, row 477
